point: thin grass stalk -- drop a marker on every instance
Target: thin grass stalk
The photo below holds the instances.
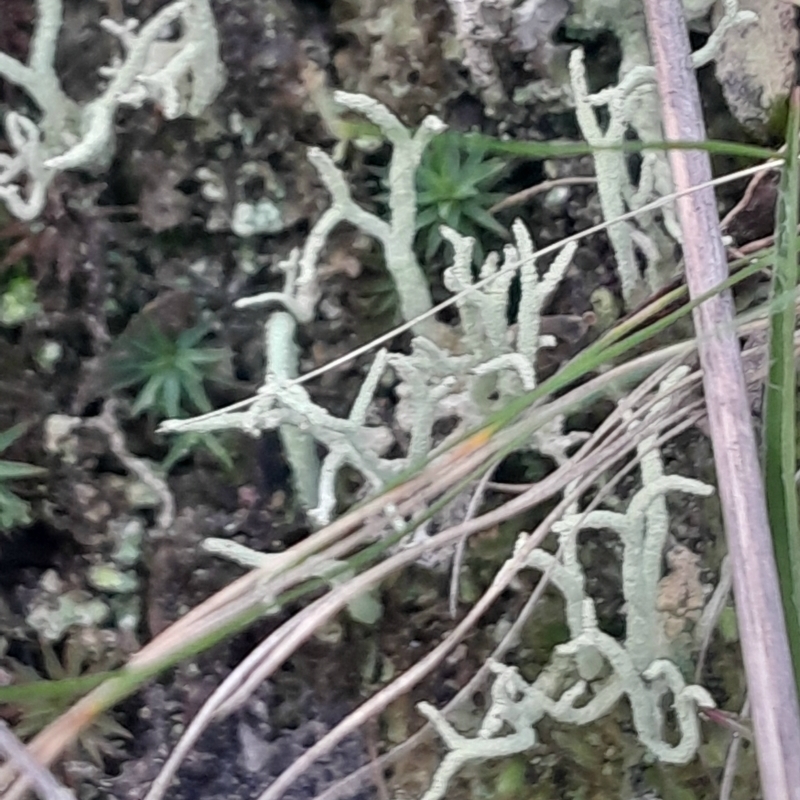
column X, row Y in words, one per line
column 540, row 150
column 47, row 787
column 765, row 648
column 732, row 758
column 780, row 424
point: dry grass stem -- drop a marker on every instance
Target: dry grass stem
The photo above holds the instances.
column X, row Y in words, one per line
column 732, row 758
column 711, row 614
column 768, row 665
column 458, row 556
column 38, row 776
column 518, row 198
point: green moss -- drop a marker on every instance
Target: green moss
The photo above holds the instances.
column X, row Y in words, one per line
column 455, row 183
column 169, row 371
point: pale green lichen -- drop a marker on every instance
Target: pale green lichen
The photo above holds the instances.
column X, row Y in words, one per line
column 249, row 219
column 183, row 76
column 493, row 365
column 55, row 611
column 396, row 235
column 366, row 608
column 632, row 106
column 573, row 688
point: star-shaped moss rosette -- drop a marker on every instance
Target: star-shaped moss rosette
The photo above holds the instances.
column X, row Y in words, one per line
column 169, row 370
column 454, row 188
column 77, row 661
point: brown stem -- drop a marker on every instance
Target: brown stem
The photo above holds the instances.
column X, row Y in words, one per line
column 770, row 679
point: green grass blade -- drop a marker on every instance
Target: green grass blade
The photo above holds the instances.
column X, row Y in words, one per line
column 11, row 470
column 8, row 437
column 31, row 693
column 566, row 149
column 569, row 149
column 780, row 434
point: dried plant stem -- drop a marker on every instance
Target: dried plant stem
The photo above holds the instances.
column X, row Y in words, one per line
column 458, row 556
column 711, row 615
column 770, row 678
column 732, row 759
column 40, row 777
column 518, row 198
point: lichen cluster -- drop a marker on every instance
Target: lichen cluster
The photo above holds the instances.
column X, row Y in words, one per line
column 182, row 76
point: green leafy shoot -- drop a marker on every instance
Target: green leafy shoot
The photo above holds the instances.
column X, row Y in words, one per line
column 13, row 509
column 454, row 188
column 780, row 399
column 168, row 371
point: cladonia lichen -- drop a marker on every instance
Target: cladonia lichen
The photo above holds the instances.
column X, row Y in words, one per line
column 489, row 363
column 632, row 106
column 459, row 374
column 588, row 675
column 183, row 76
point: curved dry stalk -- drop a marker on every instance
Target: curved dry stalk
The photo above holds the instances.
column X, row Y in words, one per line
column 518, row 198
column 711, row 614
column 458, row 556
column 732, row 758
